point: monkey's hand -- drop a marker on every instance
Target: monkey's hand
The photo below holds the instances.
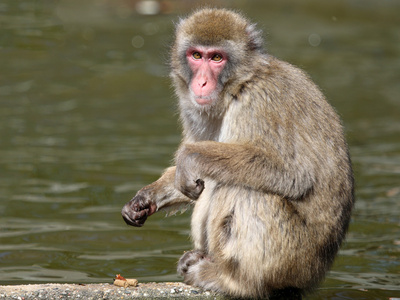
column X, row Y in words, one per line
column 136, row 211
column 186, row 179
column 189, row 259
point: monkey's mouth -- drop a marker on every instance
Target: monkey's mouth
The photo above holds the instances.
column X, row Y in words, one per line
column 203, row 100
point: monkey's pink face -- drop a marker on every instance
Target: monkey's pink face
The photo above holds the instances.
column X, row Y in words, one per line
column 206, row 65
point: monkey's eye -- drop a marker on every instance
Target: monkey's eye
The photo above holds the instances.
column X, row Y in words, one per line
column 217, row 57
column 196, row 55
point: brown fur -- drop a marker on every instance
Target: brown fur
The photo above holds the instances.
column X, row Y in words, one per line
column 266, row 165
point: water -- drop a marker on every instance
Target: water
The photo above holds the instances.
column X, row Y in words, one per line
column 87, row 118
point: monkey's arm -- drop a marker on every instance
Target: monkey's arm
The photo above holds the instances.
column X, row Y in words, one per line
column 156, row 196
column 243, row 165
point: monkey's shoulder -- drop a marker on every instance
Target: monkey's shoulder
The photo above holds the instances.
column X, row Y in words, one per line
column 280, row 72
column 278, row 80
column 282, row 92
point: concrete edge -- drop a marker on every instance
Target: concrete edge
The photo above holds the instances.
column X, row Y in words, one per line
column 166, row 290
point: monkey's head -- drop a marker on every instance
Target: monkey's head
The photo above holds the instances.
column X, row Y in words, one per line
column 213, row 49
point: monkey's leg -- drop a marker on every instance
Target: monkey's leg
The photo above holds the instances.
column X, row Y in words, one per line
column 241, row 248
column 212, row 264
column 156, row 196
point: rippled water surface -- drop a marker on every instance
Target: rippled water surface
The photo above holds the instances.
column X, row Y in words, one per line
column 87, row 117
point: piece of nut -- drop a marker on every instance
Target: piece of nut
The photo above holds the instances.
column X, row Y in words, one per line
column 132, row 282
column 125, row 283
column 121, row 283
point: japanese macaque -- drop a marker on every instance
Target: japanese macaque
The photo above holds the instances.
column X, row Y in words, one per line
column 263, row 160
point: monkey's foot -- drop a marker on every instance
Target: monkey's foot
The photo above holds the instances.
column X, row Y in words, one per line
column 189, row 259
column 136, row 211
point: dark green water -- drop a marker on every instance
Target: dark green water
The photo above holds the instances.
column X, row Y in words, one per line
column 87, row 117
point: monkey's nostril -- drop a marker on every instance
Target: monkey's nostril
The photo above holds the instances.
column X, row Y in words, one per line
column 202, row 83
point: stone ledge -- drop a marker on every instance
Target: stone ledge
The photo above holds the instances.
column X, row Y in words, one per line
column 164, row 290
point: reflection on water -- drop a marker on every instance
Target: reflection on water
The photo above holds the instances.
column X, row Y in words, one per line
column 88, row 117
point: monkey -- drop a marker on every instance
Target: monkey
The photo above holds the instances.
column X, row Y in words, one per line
column 263, row 161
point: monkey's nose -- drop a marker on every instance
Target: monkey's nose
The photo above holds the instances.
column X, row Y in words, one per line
column 202, row 83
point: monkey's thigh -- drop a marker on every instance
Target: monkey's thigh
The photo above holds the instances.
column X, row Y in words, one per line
column 254, row 235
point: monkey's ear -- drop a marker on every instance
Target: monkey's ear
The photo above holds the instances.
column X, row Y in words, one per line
column 256, row 41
